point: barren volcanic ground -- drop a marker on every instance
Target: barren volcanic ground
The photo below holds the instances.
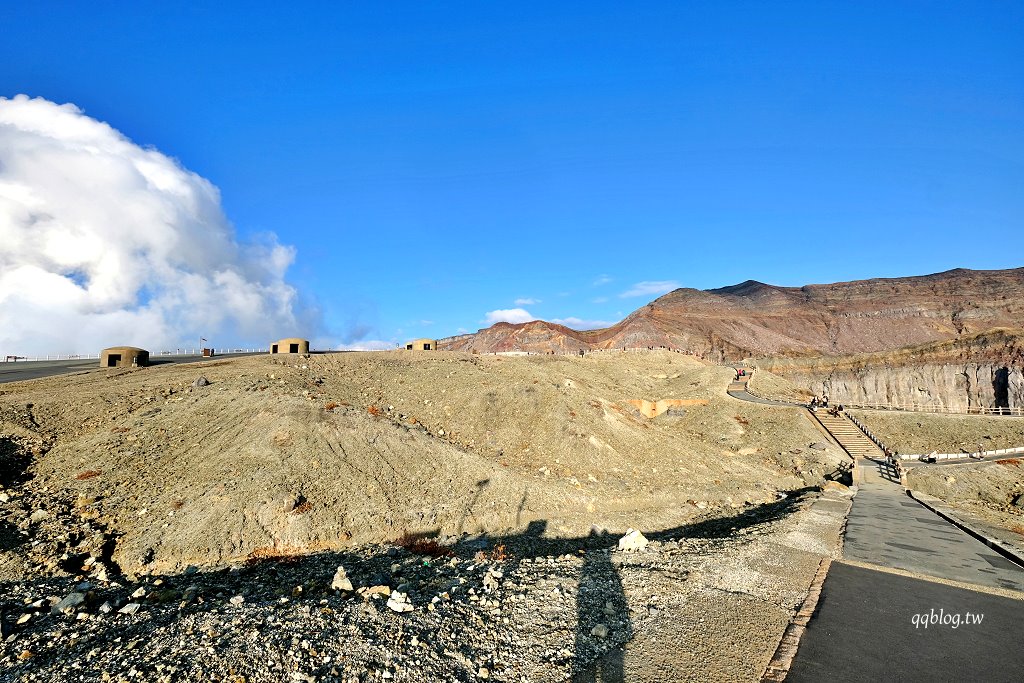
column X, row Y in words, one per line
column 991, row 491
column 173, row 496
column 919, row 433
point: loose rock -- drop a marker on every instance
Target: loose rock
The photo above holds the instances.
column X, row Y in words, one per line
column 341, row 582
column 399, row 602
column 633, row 541
column 70, row 602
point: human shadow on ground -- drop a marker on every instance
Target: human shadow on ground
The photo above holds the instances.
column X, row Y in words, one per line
column 416, row 563
column 888, row 471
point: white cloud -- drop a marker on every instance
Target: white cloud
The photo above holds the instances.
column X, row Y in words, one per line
column 581, row 324
column 526, row 302
column 602, row 280
column 106, row 242
column 510, row 315
column 599, row 300
column 651, row 288
column 369, row 345
column 426, row 322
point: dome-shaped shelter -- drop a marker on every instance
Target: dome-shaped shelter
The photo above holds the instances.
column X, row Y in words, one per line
column 290, row 345
column 123, row 357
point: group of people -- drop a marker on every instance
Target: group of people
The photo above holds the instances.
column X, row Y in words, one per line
column 892, row 461
column 822, row 402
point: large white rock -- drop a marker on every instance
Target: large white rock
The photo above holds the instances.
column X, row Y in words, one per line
column 399, row 602
column 633, row 541
column 341, row 581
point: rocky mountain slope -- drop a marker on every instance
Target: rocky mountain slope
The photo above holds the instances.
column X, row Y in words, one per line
column 757, row 319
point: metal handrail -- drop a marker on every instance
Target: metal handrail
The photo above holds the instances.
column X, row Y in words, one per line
column 931, row 408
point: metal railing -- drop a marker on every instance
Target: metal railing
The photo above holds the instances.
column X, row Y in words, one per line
column 977, row 455
column 14, row 358
column 931, row 408
column 867, row 432
column 934, row 456
column 1016, row 411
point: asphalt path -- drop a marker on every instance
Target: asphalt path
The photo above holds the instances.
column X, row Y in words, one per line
column 878, row 626
column 738, row 390
column 24, row 370
column 875, row 624
column 889, row 528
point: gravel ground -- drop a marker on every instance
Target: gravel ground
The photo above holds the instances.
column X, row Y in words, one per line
column 707, row 601
column 314, row 454
column 153, row 528
column 768, row 385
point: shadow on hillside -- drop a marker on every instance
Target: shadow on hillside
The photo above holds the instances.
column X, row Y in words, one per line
column 600, row 598
column 14, row 463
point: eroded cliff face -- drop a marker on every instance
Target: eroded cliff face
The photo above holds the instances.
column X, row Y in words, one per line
column 955, row 387
column 982, row 370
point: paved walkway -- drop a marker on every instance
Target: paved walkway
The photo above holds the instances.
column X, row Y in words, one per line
column 35, row 369
column 877, row 624
column 966, row 460
column 868, row 624
column 889, row 528
column 738, row 390
column 23, row 370
column 868, row 627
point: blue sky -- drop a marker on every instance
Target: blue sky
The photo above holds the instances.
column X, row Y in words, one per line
column 433, row 162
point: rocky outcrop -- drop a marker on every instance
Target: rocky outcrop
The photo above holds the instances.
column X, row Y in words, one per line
column 957, row 388
column 979, row 371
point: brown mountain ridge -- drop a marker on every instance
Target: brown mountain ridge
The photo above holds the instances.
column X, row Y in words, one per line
column 757, row 319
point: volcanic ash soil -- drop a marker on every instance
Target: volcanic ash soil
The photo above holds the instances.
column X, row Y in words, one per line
column 159, row 527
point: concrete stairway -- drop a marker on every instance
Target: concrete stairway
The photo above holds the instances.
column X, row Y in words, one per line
column 848, row 435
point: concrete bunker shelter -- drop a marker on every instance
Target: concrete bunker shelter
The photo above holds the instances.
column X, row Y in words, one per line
column 421, row 345
column 290, row 345
column 123, row 357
